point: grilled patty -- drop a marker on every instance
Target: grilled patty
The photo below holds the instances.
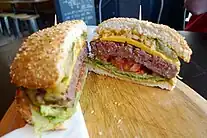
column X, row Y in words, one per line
column 105, row 50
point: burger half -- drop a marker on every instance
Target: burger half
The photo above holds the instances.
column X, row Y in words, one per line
column 49, row 74
column 138, row 51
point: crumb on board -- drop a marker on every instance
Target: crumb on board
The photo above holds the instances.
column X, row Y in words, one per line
column 92, row 111
column 119, row 121
column 100, row 133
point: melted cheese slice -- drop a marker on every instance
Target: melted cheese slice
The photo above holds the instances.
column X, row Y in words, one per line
column 141, row 46
column 68, row 70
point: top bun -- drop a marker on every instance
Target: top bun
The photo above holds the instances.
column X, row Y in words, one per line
column 39, row 62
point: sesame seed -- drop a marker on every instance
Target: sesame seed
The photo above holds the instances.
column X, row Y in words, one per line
column 119, row 121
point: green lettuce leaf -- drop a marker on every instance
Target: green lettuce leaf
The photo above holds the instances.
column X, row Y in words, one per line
column 139, row 77
column 50, row 117
column 62, row 112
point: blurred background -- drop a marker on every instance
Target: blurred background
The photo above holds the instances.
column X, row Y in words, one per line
column 23, row 17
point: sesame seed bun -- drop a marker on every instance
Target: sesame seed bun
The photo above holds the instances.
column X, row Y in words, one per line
column 40, row 60
column 151, row 30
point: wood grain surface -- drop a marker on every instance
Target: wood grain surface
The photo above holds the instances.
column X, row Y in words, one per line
column 11, row 120
column 117, row 109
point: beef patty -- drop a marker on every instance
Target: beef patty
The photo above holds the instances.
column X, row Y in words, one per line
column 107, row 49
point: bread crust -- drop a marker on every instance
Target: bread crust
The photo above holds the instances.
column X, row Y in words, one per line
column 38, row 64
column 23, row 106
column 162, row 32
column 163, row 85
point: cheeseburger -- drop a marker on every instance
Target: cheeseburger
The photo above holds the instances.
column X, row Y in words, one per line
column 138, row 51
column 49, row 73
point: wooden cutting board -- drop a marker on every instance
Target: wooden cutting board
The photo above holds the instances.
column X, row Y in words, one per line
column 117, row 109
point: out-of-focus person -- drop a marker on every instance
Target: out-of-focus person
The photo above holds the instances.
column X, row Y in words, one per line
column 198, row 20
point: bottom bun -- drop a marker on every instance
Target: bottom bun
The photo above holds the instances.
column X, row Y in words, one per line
column 161, row 84
column 23, row 106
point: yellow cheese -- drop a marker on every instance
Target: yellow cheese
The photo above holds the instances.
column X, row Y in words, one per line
column 69, row 66
column 139, row 45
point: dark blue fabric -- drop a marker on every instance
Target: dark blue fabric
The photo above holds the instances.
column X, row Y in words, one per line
column 120, row 8
column 150, row 10
column 172, row 14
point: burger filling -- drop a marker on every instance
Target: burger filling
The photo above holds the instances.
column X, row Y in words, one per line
column 46, row 117
column 131, row 59
column 133, row 37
